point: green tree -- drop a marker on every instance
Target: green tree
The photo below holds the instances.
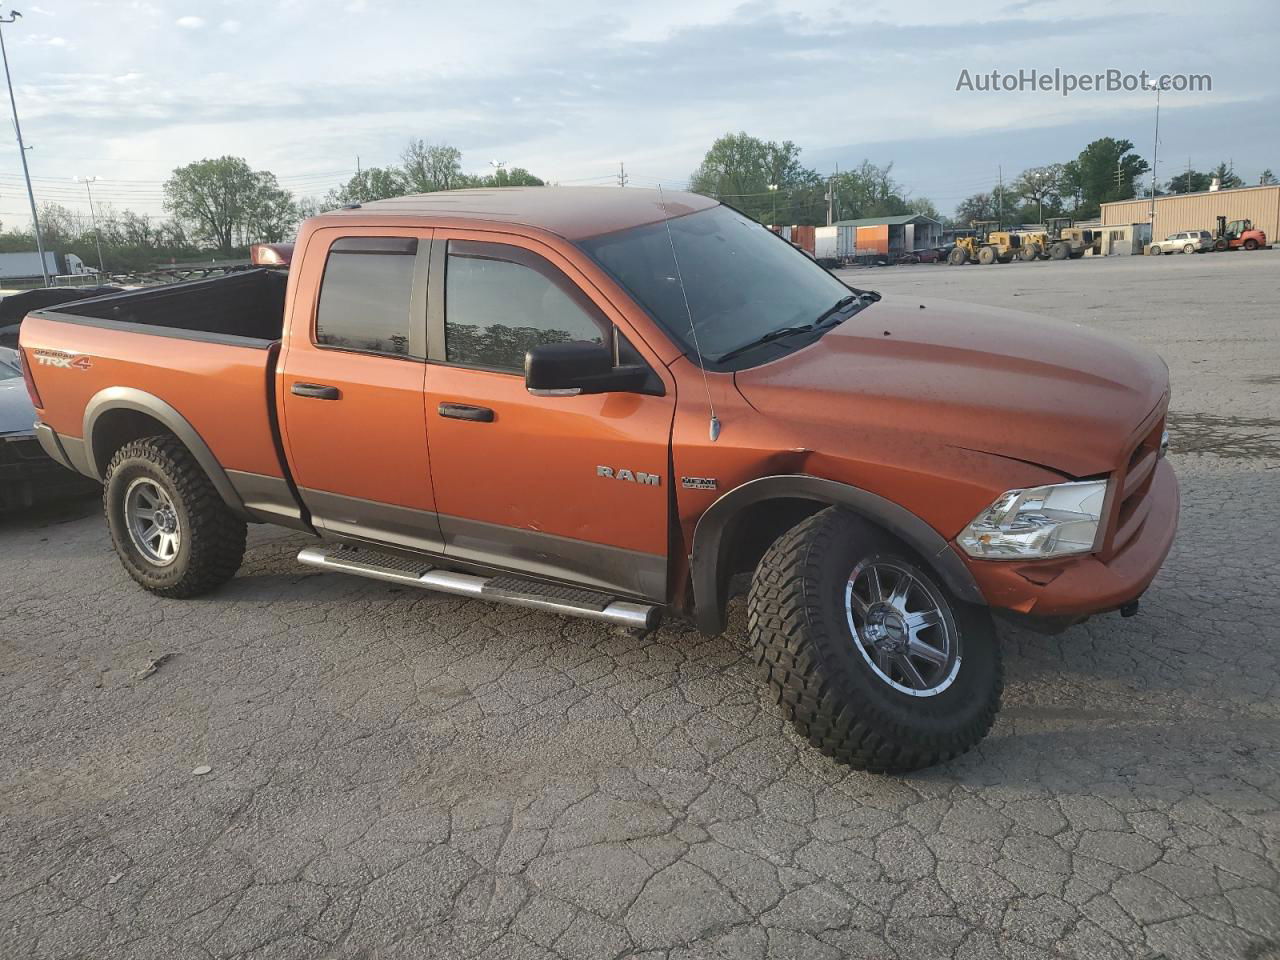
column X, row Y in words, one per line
column 739, row 169
column 924, row 207
column 215, row 197
column 1104, row 171
column 1041, row 188
column 515, row 177
column 1227, row 178
column 372, row 183
column 430, row 167
column 270, row 214
column 869, row 190
column 980, row 206
column 1267, row 179
column 1189, row 181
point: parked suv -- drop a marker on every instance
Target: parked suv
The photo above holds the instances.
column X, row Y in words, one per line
column 1188, row 241
column 617, row 405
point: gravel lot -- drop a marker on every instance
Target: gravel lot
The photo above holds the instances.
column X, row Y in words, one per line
column 397, row 774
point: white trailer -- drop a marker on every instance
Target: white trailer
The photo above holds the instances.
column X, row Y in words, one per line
column 25, row 265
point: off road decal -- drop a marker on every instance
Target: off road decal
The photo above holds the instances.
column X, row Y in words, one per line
column 59, row 358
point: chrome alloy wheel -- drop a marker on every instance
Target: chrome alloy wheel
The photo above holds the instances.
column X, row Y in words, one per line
column 152, row 521
column 902, row 627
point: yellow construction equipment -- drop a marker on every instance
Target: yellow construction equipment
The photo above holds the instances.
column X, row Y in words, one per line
column 988, row 245
column 1065, row 239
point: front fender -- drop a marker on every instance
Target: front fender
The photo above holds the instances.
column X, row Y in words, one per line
column 707, row 561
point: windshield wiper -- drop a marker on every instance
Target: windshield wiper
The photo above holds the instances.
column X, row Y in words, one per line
column 765, row 338
column 836, row 307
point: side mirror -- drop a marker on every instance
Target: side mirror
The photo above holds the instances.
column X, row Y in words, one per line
column 571, row 369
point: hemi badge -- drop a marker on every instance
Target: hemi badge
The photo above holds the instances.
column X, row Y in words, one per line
column 698, row 483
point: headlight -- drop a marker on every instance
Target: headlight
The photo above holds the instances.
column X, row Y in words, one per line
column 1051, row 521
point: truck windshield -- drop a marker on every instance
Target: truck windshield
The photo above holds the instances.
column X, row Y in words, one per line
column 742, row 281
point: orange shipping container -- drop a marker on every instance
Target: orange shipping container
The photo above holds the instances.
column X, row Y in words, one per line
column 874, row 239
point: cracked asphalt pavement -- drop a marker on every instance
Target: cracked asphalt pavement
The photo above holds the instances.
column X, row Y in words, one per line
column 402, row 774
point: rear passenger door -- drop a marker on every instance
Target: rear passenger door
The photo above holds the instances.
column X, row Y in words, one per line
column 351, row 383
column 572, row 488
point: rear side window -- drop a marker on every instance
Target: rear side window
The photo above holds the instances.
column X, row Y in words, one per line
column 500, row 300
column 365, row 295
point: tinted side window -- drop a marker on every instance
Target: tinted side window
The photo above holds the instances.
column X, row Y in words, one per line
column 500, row 300
column 365, row 295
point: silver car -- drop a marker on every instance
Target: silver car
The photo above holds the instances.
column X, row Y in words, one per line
column 27, row 473
column 1188, row 241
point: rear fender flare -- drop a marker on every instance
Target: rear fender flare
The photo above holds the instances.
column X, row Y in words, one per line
column 710, row 589
column 130, row 398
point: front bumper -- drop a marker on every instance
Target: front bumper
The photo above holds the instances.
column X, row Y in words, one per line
column 1073, row 588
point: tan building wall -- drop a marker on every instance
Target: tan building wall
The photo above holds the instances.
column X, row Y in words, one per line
column 1200, row 211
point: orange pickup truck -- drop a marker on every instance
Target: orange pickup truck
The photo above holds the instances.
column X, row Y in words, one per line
column 617, row 404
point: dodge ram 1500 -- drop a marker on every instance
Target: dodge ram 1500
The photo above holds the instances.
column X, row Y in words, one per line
column 612, row 404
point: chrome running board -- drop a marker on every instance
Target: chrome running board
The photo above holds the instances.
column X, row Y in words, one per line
column 517, row 591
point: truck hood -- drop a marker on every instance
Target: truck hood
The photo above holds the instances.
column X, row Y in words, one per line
column 978, row 378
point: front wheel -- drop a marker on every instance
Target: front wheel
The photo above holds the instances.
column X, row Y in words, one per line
column 171, row 529
column 870, row 657
column 1154, row 251
column 956, row 257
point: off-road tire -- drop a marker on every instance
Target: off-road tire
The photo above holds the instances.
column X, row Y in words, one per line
column 213, row 538
column 1030, row 252
column 1059, row 251
column 1251, row 244
column 804, row 649
column 986, row 256
column 957, row 257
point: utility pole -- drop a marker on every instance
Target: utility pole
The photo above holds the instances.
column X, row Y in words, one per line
column 1155, row 152
column 831, row 194
column 622, row 174
column 93, row 218
column 1000, row 197
column 773, row 192
column 22, row 149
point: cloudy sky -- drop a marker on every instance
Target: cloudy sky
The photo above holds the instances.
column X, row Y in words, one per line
column 569, row 88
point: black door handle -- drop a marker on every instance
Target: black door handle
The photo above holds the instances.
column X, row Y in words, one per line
column 465, row 411
column 317, row 391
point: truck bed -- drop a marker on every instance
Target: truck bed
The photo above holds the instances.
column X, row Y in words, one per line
column 244, row 306
column 201, row 355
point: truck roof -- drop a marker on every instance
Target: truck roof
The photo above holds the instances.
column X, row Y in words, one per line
column 573, row 213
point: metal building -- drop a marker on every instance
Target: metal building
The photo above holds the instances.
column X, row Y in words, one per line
column 1200, row 211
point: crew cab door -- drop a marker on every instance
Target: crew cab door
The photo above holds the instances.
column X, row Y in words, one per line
column 574, row 488
column 350, row 386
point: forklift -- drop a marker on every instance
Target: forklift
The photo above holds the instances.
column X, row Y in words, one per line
column 1238, row 235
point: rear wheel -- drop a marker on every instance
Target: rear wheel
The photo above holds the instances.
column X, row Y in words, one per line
column 171, row 529
column 870, row 657
column 986, row 256
column 1059, row 251
column 1030, row 252
column 1189, row 248
column 1251, row 244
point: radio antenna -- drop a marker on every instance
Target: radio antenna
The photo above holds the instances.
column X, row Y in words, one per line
column 693, row 330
